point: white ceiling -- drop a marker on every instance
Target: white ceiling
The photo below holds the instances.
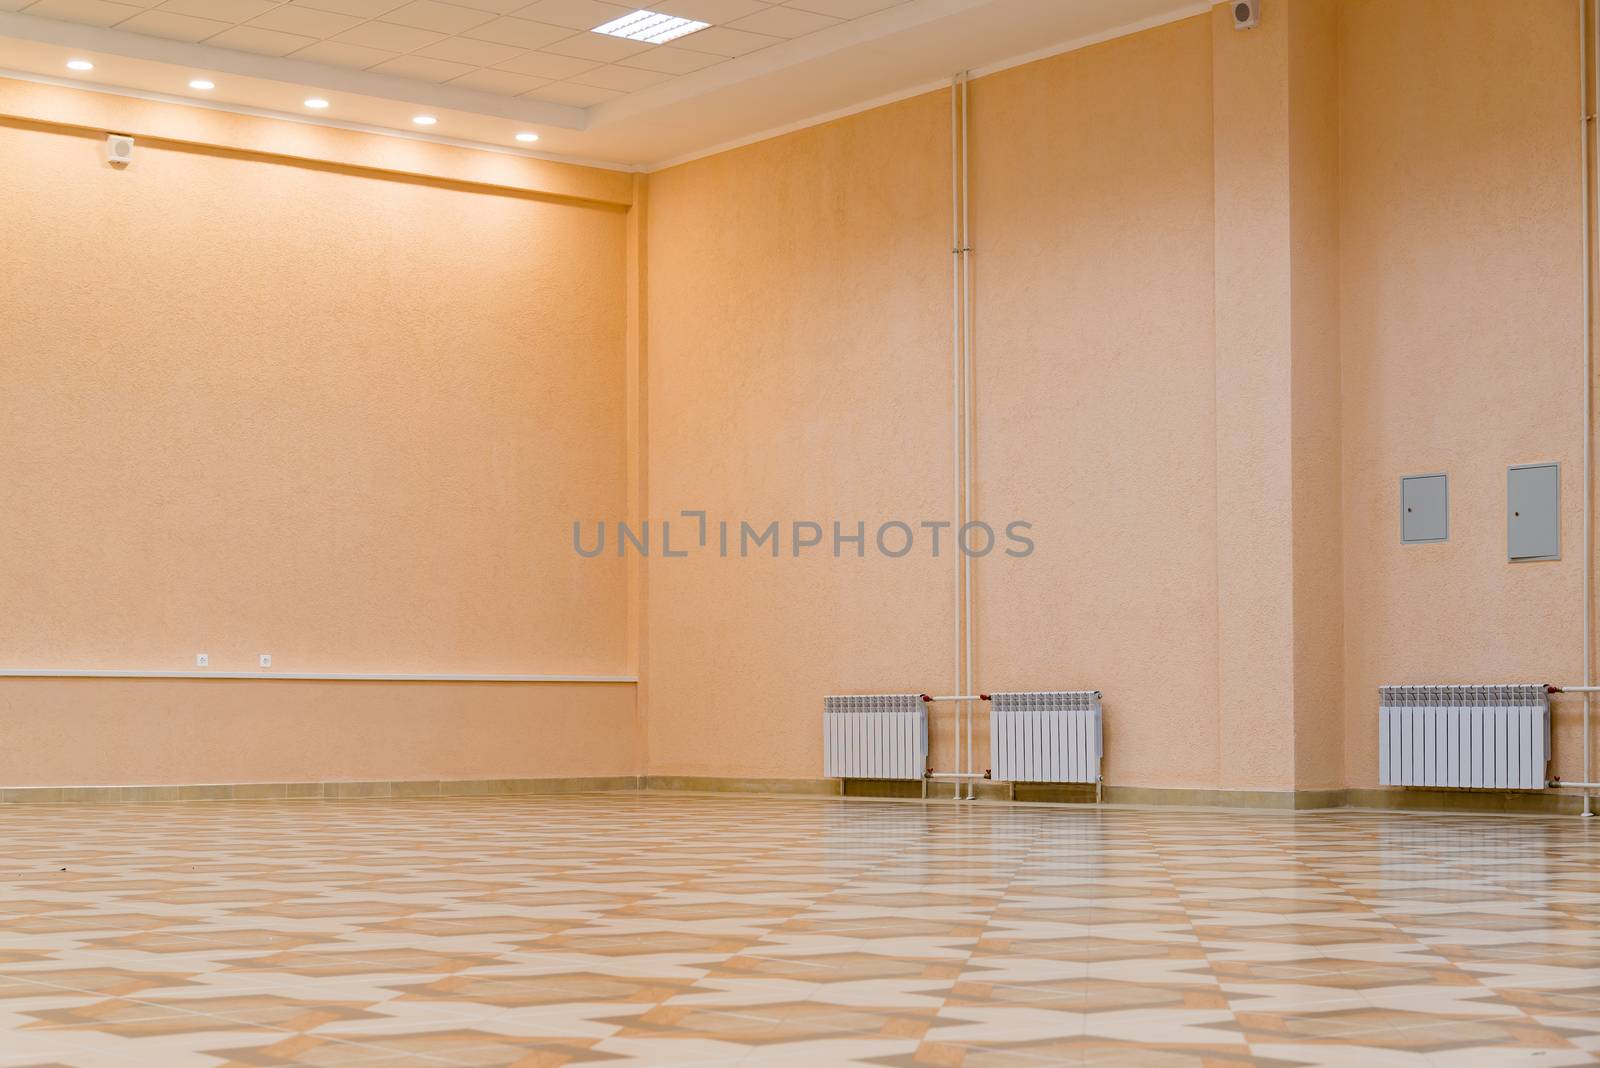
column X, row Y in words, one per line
column 488, row 69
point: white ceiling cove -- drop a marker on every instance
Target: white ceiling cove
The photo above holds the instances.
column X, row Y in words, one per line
column 489, row 69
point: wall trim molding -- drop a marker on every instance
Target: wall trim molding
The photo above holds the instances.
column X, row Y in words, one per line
column 413, row 789
column 728, row 785
column 303, row 676
column 1422, row 799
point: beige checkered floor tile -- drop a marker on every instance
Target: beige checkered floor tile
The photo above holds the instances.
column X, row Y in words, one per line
column 649, row 929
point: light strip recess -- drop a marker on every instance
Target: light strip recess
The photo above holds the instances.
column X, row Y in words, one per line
column 651, row 27
column 285, row 676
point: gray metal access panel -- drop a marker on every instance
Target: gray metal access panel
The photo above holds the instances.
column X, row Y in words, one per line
column 1424, row 509
column 1533, row 512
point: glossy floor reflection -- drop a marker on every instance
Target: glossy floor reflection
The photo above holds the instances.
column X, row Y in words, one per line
column 641, row 929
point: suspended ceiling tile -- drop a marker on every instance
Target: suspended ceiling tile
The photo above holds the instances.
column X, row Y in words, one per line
column 669, row 60
column 473, row 53
column 388, row 36
column 596, row 46
column 362, row 9
column 494, row 7
column 304, row 20
column 784, row 22
column 578, row 14
column 501, row 82
column 625, row 79
column 844, row 9
column 263, row 42
column 581, row 96
column 716, row 12
column 173, row 26
column 344, row 55
column 232, row 11
column 546, row 65
column 720, row 41
column 92, row 12
column 420, row 67
column 441, row 18
column 524, row 33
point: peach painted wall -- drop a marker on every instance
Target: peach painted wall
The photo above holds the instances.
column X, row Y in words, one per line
column 258, row 405
column 799, row 369
column 1462, row 343
column 1316, row 501
column 1092, row 204
column 156, row 732
column 1254, row 401
column 1230, row 286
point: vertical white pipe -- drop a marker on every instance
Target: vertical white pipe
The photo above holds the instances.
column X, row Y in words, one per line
column 1585, row 119
column 969, row 389
column 957, row 397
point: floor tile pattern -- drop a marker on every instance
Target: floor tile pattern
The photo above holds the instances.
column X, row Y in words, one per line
column 657, row 929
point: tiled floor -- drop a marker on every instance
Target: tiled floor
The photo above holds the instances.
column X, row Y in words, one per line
column 638, row 929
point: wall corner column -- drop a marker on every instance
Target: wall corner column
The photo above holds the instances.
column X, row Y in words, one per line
column 1280, row 640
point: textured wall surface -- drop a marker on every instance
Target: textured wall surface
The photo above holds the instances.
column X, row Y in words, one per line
column 1317, row 501
column 799, row 349
column 800, row 354
column 1229, row 288
column 1095, row 391
column 1254, row 409
column 1462, row 343
column 157, row 732
column 255, row 406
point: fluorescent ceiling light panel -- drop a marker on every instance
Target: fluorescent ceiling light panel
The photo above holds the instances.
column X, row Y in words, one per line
column 651, row 27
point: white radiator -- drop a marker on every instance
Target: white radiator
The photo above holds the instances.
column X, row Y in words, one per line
column 883, row 736
column 1046, row 737
column 1483, row 736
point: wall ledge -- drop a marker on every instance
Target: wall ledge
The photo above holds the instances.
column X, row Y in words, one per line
column 315, row 791
column 289, row 676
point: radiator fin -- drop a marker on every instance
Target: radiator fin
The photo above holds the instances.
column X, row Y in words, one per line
column 874, row 736
column 1484, row 737
column 1046, row 736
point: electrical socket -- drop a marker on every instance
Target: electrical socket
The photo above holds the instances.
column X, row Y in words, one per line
column 266, row 659
column 202, row 660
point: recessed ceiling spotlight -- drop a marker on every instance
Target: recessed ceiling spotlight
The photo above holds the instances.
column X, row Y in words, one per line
column 424, row 120
column 316, row 102
column 79, row 64
column 651, row 27
column 201, row 83
column 528, row 138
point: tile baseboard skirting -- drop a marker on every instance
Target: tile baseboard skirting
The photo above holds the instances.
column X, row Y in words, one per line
column 1413, row 799
column 1549, row 802
column 1421, row 799
column 735, row 785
